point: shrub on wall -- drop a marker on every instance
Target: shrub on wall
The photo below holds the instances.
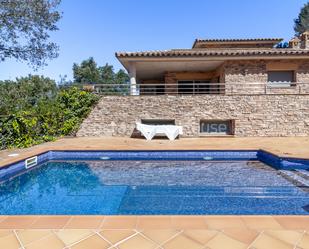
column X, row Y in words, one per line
column 47, row 119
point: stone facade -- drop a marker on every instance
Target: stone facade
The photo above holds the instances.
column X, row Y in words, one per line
column 254, row 115
column 245, row 72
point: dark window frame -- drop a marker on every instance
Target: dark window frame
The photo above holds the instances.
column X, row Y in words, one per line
column 158, row 121
column 281, row 84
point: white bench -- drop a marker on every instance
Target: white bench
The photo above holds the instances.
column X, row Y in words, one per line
column 149, row 131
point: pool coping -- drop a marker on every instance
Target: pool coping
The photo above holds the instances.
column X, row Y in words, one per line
column 270, row 158
column 262, row 222
column 24, row 157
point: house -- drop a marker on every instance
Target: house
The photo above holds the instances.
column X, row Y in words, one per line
column 221, row 87
column 220, row 67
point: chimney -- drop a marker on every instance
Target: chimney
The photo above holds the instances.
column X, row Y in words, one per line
column 294, row 43
column 304, row 40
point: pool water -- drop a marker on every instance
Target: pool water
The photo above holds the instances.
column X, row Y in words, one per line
column 112, row 187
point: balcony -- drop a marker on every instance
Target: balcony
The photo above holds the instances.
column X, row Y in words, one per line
column 199, row 88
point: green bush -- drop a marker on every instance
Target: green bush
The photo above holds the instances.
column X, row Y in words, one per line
column 47, row 119
column 25, row 92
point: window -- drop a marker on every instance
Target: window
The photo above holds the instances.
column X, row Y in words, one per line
column 280, row 78
column 152, row 89
column 217, row 127
column 186, row 86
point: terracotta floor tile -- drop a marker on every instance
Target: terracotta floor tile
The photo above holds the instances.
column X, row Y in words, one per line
column 222, row 222
column 119, row 222
column 50, row 222
column 290, row 237
column 137, row 242
column 201, row 236
column 9, row 242
column 261, row 222
column 154, row 222
column 93, row 242
column 17, row 222
column 246, row 236
column 84, row 222
column 160, row 236
column 2, row 217
column 5, row 232
column 114, row 236
column 49, row 242
column 188, row 222
column 28, row 236
column 70, row 236
column 304, row 242
column 182, row 242
column 265, row 241
column 293, row 222
column 222, row 241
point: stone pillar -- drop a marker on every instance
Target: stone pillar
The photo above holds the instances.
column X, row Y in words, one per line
column 132, row 75
column 171, row 83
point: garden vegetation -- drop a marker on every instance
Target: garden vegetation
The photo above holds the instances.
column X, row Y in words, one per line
column 34, row 110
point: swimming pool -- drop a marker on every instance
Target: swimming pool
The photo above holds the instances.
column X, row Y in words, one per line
column 156, row 182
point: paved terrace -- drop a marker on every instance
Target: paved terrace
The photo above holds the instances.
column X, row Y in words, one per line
column 154, row 232
column 161, row 232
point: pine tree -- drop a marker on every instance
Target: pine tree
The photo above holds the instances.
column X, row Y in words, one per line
column 302, row 22
column 87, row 72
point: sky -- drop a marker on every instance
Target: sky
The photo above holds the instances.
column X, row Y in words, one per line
column 99, row 28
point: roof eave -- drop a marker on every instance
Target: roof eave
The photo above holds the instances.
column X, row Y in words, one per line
column 235, row 41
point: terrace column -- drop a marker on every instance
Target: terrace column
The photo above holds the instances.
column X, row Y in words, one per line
column 132, row 75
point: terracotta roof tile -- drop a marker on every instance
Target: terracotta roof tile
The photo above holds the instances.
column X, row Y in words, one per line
column 210, row 52
column 241, row 40
column 253, row 42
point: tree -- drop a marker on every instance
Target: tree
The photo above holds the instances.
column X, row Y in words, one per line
column 24, row 30
column 302, row 22
column 25, row 92
column 87, row 72
column 107, row 75
column 121, row 77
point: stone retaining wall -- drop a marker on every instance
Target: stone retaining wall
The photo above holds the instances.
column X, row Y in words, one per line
column 254, row 115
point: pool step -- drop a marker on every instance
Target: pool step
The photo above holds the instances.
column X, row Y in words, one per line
column 304, row 173
column 300, row 176
column 248, row 192
column 181, row 200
